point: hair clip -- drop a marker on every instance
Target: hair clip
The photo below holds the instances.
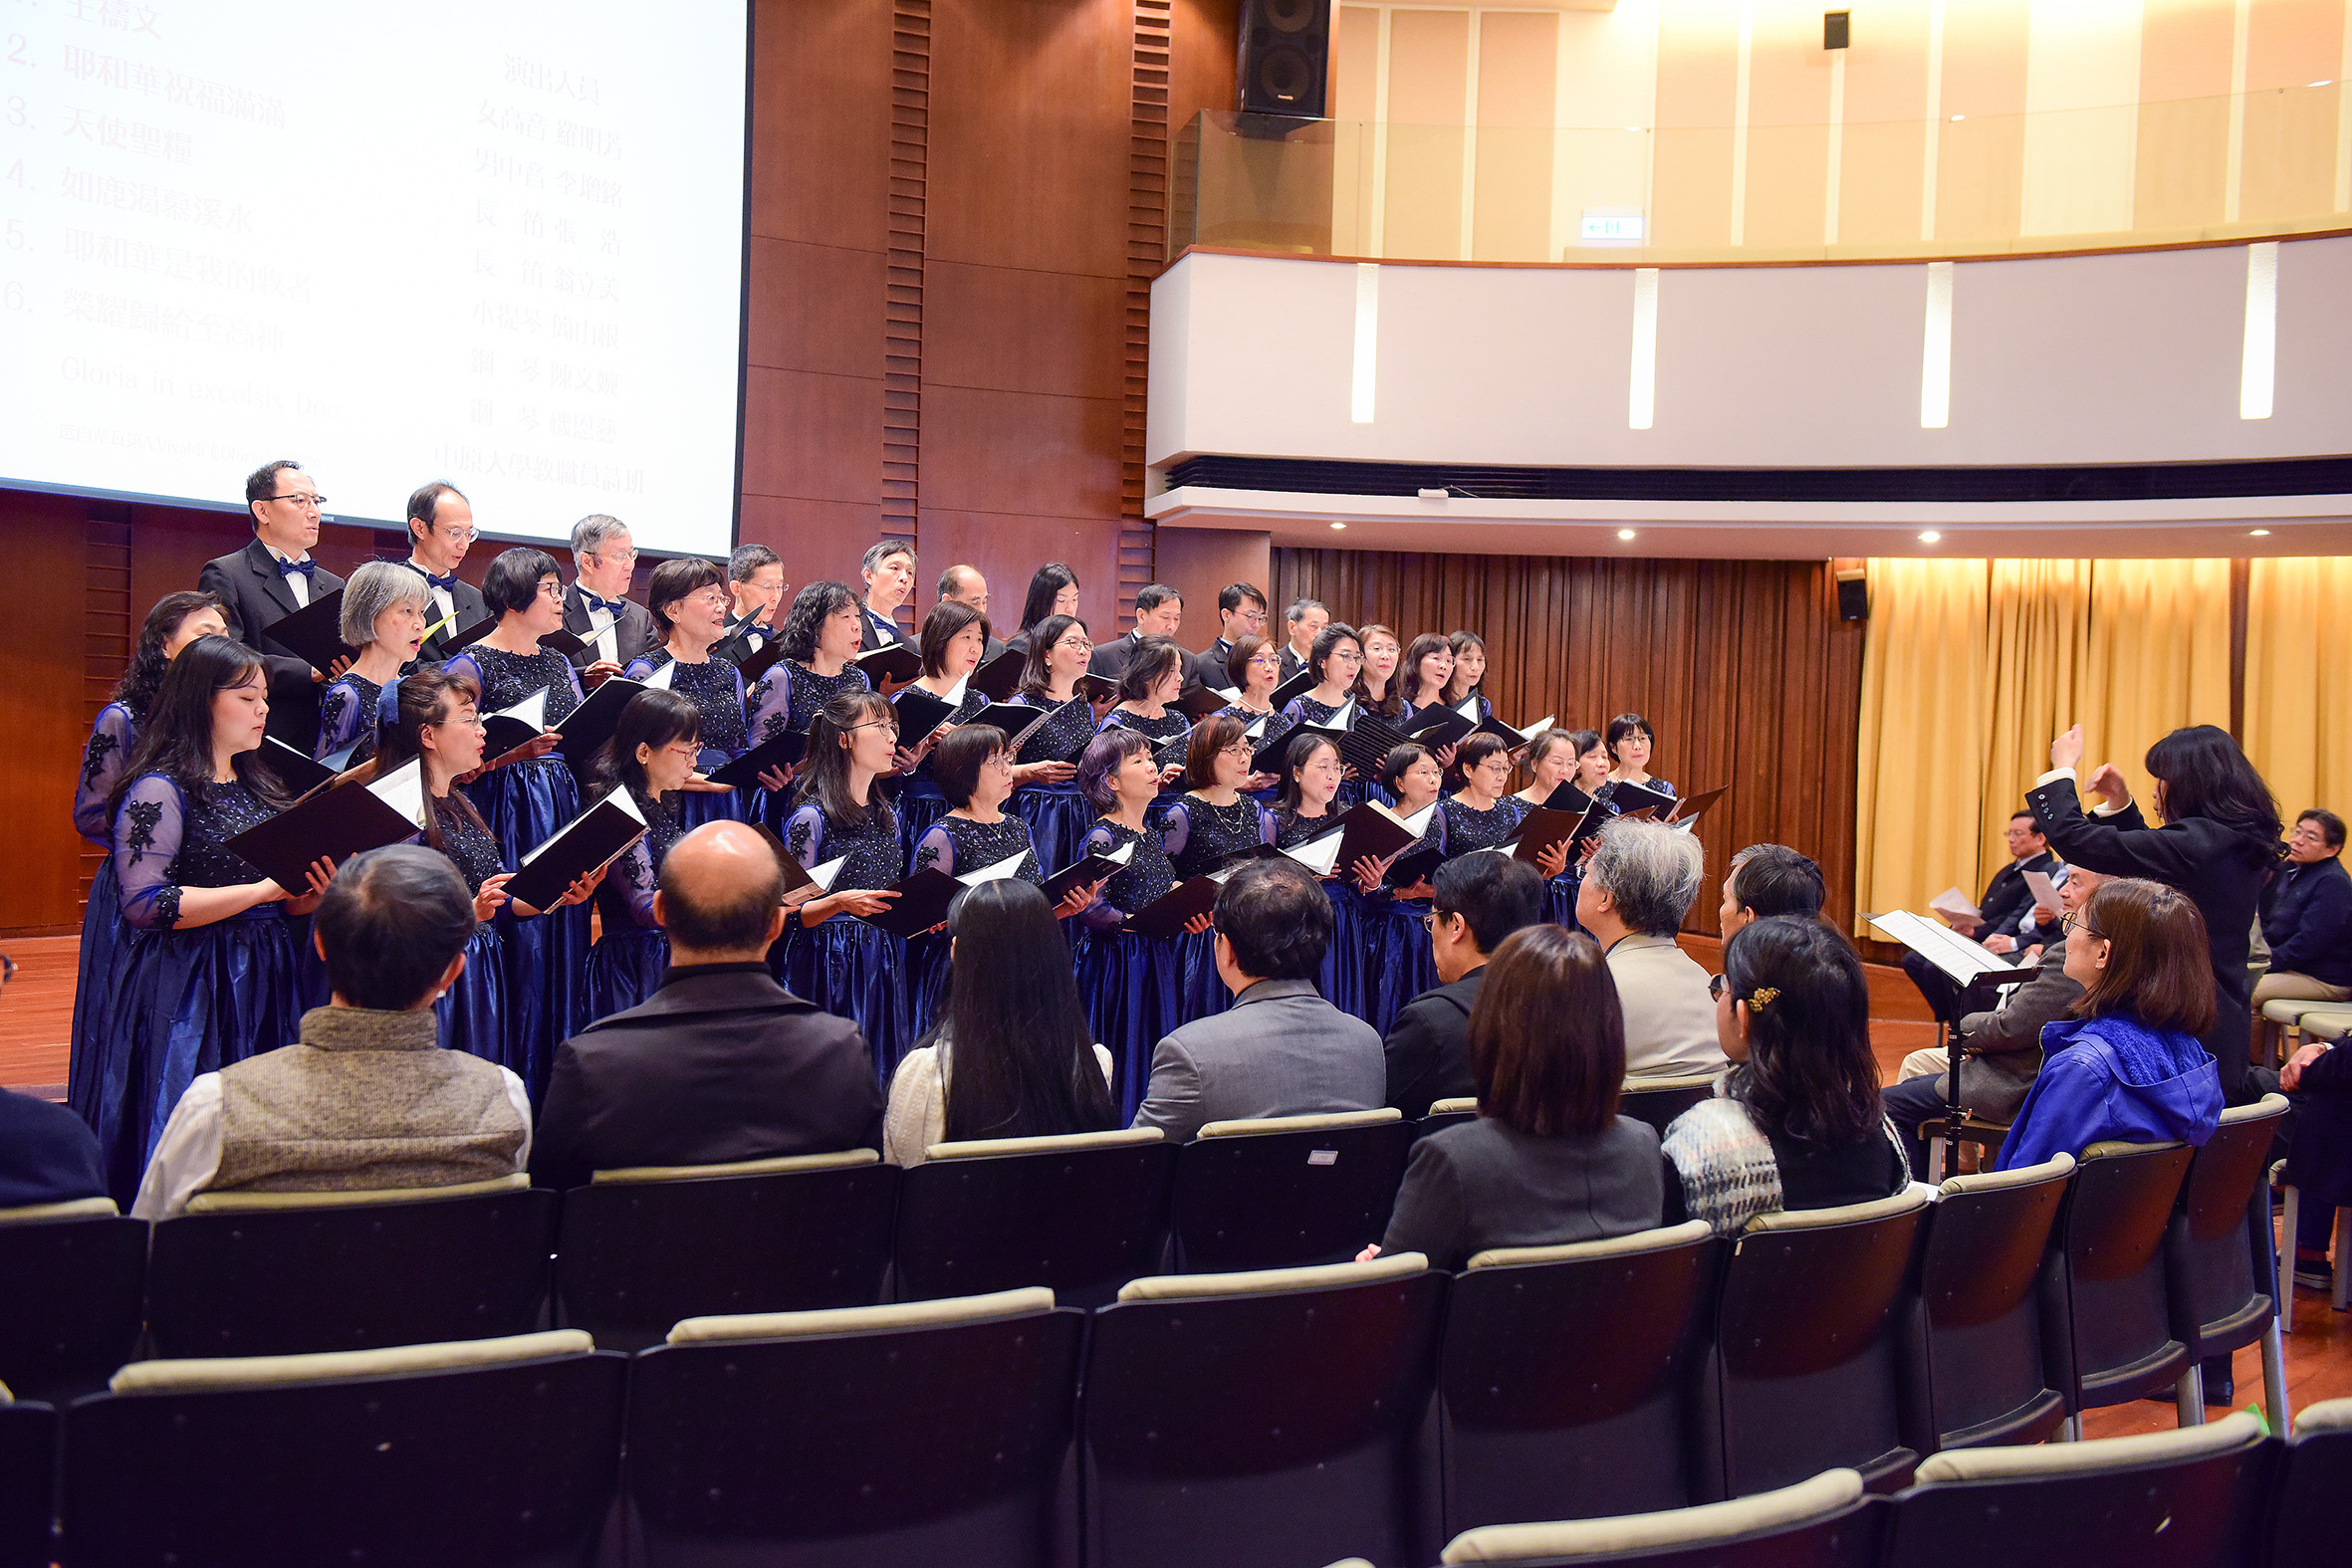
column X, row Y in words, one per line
column 1763, row 997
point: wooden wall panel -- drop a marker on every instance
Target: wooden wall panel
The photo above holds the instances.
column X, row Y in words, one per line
column 1742, row 669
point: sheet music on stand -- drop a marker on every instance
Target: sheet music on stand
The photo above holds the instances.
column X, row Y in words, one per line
column 1967, row 964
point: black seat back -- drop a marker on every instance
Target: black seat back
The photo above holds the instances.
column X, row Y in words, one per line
column 1079, row 1222
column 279, row 1281
column 28, row 1480
column 1660, row 1106
column 1985, row 1248
column 71, row 1294
column 2316, row 1477
column 633, row 1258
column 2107, row 1316
column 2221, row 1292
column 1281, row 1200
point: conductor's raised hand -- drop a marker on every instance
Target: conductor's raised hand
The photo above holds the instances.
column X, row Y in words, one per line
column 2067, row 749
column 2108, row 784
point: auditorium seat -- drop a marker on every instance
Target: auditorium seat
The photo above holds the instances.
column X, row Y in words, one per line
column 281, row 1273
column 2218, row 1256
column 1569, row 1378
column 1659, row 1101
column 28, row 1477
column 1827, row 1522
column 1817, row 1335
column 2190, row 1498
column 639, row 1248
column 1986, row 1246
column 492, row 1451
column 2316, row 1477
column 933, row 1432
column 74, row 1275
column 1079, row 1215
column 2290, row 1217
column 1447, row 1113
column 2107, row 1319
column 1284, row 1192
column 1267, row 1416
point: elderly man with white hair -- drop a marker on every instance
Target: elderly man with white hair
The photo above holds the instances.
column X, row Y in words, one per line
column 1635, row 893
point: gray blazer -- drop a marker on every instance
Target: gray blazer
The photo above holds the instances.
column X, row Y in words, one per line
column 2004, row 1044
column 1280, row 1049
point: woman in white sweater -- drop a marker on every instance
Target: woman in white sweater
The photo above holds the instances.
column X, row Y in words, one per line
column 1022, row 1063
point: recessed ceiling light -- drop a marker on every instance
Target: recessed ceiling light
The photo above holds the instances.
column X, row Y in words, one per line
column 2330, row 81
column 1930, row 536
column 1957, row 118
column 1625, row 533
column 1339, row 525
column 2260, row 533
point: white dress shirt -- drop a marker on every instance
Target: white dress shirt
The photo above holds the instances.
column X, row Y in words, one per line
column 298, row 582
column 444, row 605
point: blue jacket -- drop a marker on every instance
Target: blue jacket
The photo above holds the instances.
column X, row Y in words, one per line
column 2307, row 920
column 2114, row 1077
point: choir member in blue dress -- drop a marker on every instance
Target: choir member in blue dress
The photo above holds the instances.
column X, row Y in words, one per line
column 974, row 770
column 438, row 725
column 1252, row 666
column 1308, row 807
column 1469, row 673
column 820, row 638
column 176, row 620
column 204, row 973
column 1631, row 741
column 755, row 600
column 1053, row 590
column 1428, row 669
column 1398, row 964
column 651, row 754
column 1207, row 825
column 688, row 599
column 384, row 610
column 526, row 797
column 836, row 960
column 889, row 573
column 1133, row 985
column 1482, row 813
column 1048, row 797
column 1379, row 689
column 954, row 637
column 1554, row 757
column 1337, row 659
column 1153, row 679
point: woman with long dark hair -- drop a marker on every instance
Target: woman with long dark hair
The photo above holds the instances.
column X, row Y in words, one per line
column 1798, row 1122
column 954, row 640
column 1053, row 590
column 1048, row 801
column 1398, row 964
column 176, row 620
column 1014, row 1057
column 652, row 753
column 688, row 599
column 1427, row 670
column 1380, row 686
column 204, row 973
column 384, row 610
column 1153, row 679
column 820, row 640
column 1470, row 672
column 2219, row 843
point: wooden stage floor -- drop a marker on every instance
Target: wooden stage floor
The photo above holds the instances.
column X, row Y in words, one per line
column 36, row 1007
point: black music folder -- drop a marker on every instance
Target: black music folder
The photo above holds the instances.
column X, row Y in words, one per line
column 1086, row 869
column 1167, row 915
column 919, row 714
column 1198, row 702
column 783, row 751
column 294, row 769
column 564, row 643
column 1016, row 719
column 336, row 824
column 760, row 660
column 1097, row 687
column 474, row 633
column 595, row 837
column 1693, row 807
column 1544, row 829
column 587, row 727
column 1567, row 798
column 1297, row 685
column 925, row 898
column 1000, row 677
column 1631, row 798
column 897, row 662
column 1438, row 726
column 1369, row 830
column 314, row 634
column 510, row 729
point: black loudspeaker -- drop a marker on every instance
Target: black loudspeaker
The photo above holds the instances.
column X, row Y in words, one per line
column 1853, row 595
column 1285, row 56
column 1837, row 28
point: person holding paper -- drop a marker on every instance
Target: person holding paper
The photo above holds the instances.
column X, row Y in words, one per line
column 1480, row 815
column 526, row 797
column 440, row 532
column 1307, row 807
column 1995, row 922
column 204, row 973
column 267, row 580
column 1049, row 801
column 1469, row 673
column 1207, row 825
column 384, row 609
column 1637, row 888
column 954, row 636
column 1336, row 660
column 1397, row 963
column 1631, row 741
column 846, row 966
column 1133, row 985
column 889, row 573
column 820, row 637
column 176, row 620
column 1153, row 678
column 1159, row 612
column 1053, row 590
column 688, row 599
column 1479, row 901
column 651, row 754
column 596, row 607
column 1555, row 757
column 755, row 600
column 1303, row 623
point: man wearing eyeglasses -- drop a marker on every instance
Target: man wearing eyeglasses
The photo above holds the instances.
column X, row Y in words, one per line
column 267, row 580
column 597, row 607
column 440, row 530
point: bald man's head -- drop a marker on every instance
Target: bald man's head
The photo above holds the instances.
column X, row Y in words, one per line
column 722, row 894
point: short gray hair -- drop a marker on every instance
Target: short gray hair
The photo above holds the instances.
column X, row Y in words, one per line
column 589, row 533
column 1650, row 871
column 375, row 587
column 876, row 553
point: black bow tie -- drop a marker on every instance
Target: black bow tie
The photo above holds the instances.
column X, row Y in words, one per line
column 445, row 585
column 286, row 568
column 597, row 602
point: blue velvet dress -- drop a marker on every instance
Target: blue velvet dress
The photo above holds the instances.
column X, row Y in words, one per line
column 182, row 1001
column 919, row 803
column 786, row 701
column 1303, row 709
column 1132, row 986
column 1341, row 979
column 715, row 687
column 1160, row 732
column 626, row 964
column 473, row 1015
column 347, row 717
column 111, row 739
column 956, row 845
column 1398, row 962
column 1199, row 838
column 1058, row 818
column 848, row 967
column 526, row 803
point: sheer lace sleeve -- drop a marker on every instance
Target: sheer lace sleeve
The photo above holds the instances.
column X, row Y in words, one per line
column 147, row 833
column 804, row 835
column 1176, row 828
column 937, row 848
column 640, row 668
column 467, row 665
column 640, row 879
column 102, row 767
column 341, row 717
column 1267, row 828
column 1102, row 915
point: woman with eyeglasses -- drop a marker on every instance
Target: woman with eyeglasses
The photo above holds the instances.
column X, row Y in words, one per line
column 1207, row 825
column 1058, row 817
column 176, row 620
column 1306, row 808
column 820, row 639
column 384, row 610
column 1379, row 688
column 1336, row 658
column 688, row 599
column 1255, row 666
column 526, row 797
column 1398, row 962
column 1631, row 744
column 651, row 754
column 1796, row 1123
column 846, row 966
column 955, row 640
column 1481, row 814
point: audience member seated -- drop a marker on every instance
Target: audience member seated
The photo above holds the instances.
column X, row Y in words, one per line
column 1635, row 893
column 2000, row 1048
column 1280, row 1049
column 2129, row 1066
column 1548, row 1158
column 366, row 1098
column 2007, row 899
column 2317, row 1081
column 1769, row 879
column 720, row 1064
column 2308, row 917
column 1796, row 1123
column 48, row 1155
column 1023, row 1064
column 1481, row 899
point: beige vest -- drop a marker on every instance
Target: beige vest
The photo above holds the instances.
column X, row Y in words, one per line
column 366, row 1100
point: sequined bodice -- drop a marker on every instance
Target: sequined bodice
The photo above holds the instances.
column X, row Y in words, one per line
column 981, row 844
column 204, row 859
column 472, row 847
column 1063, row 737
column 1468, row 830
column 711, row 687
column 804, row 695
column 1216, row 832
column 1147, row 875
column 508, row 678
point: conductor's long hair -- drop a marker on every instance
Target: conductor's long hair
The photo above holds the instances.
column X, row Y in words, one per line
column 1022, row 1061
column 143, row 676
column 429, row 697
column 176, row 735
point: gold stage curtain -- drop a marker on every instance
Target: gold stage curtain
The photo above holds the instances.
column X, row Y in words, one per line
column 1971, row 667
column 2298, row 680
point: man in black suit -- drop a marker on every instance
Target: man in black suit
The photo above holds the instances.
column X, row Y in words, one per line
column 267, row 580
column 889, row 573
column 1995, row 928
column 1304, row 622
column 440, row 530
column 597, row 607
column 755, row 591
column 966, row 585
column 721, row 1063
column 1481, row 899
column 1159, row 611
column 1240, row 612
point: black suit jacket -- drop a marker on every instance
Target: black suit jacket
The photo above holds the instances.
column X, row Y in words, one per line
column 1208, row 666
column 2221, row 870
column 47, row 1154
column 2006, row 896
column 1427, row 1049
column 1292, row 664
column 721, row 1063
column 1111, row 659
column 869, row 635
column 254, row 597
column 632, row 634
column 471, row 610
